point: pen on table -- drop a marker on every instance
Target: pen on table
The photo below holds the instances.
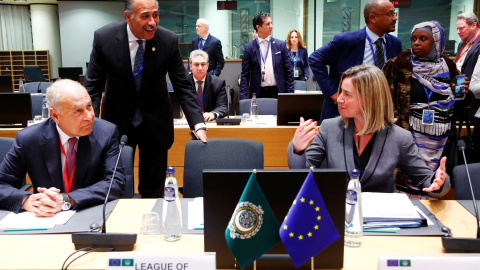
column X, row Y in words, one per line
column 25, row 229
column 381, row 231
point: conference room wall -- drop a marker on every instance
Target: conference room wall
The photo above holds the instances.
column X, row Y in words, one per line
column 46, row 34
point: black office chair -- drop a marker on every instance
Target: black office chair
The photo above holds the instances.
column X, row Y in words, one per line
column 300, row 85
column 219, row 153
column 462, row 187
column 37, row 102
column 33, row 74
column 37, row 87
column 127, row 159
column 5, row 145
column 266, row 106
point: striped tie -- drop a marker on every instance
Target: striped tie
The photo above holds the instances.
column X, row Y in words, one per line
column 379, row 54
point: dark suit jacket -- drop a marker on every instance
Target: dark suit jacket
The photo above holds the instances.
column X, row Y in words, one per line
column 393, row 147
column 302, row 57
column 470, row 59
column 252, row 69
column 110, row 62
column 213, row 47
column 36, row 151
column 214, row 94
column 343, row 52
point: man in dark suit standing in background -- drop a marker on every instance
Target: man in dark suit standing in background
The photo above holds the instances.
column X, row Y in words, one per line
column 370, row 45
column 211, row 93
column 132, row 58
column 211, row 45
column 266, row 66
column 467, row 56
column 70, row 158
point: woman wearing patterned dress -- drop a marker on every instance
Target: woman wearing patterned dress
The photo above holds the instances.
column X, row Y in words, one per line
column 421, row 81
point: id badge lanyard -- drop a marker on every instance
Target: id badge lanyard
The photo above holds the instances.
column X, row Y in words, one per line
column 373, row 52
column 264, row 60
column 295, row 59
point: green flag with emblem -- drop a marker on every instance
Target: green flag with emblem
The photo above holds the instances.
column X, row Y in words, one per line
column 253, row 228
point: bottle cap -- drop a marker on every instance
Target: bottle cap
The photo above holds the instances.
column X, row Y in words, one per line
column 170, row 170
column 354, row 173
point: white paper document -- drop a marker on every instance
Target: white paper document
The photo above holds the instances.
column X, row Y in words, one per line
column 195, row 214
column 27, row 220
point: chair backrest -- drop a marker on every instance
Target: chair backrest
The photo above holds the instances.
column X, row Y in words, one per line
column 5, row 145
column 266, row 106
column 37, row 102
column 462, row 187
column 220, row 153
column 169, row 86
column 300, row 85
column 317, row 87
column 127, row 159
column 34, row 87
column 33, row 74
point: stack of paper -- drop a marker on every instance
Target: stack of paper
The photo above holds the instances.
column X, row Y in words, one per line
column 389, row 210
column 28, row 221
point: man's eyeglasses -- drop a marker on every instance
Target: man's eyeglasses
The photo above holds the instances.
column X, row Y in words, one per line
column 389, row 14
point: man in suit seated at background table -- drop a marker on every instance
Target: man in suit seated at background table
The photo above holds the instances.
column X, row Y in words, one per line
column 69, row 158
column 211, row 92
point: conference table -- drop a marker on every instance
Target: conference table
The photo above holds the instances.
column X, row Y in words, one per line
column 50, row 251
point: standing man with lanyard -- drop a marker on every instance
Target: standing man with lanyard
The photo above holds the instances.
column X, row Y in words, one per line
column 130, row 60
column 370, row 45
column 467, row 56
column 266, row 65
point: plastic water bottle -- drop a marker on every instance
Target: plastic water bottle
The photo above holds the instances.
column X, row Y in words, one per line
column 172, row 215
column 21, row 87
column 45, row 112
column 254, row 107
column 353, row 211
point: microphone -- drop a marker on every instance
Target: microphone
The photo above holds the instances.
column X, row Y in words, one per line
column 38, row 88
column 113, row 241
column 232, row 94
column 464, row 244
column 229, row 104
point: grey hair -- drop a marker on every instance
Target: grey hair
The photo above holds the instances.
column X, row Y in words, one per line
column 370, row 7
column 129, row 7
column 54, row 92
column 196, row 53
column 469, row 17
column 204, row 22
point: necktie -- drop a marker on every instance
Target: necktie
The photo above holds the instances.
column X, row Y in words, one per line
column 202, row 43
column 268, row 68
column 379, row 54
column 71, row 161
column 137, row 73
column 200, row 93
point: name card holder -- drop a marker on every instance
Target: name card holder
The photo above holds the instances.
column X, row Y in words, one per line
column 151, row 261
column 441, row 261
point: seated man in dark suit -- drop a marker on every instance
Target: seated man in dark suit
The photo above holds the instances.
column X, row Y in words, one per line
column 70, row 157
column 211, row 92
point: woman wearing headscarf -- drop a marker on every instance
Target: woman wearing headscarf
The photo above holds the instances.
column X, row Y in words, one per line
column 421, row 81
column 298, row 55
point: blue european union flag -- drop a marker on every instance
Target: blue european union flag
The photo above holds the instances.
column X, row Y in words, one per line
column 308, row 227
column 114, row 262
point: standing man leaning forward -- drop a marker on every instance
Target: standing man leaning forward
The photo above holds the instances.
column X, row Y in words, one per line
column 211, row 45
column 132, row 58
column 70, row 158
column 211, row 93
column 370, row 45
column 266, row 65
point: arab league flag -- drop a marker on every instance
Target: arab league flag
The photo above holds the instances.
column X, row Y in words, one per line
column 308, row 227
column 253, row 228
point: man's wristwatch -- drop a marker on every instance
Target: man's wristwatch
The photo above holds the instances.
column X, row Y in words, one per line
column 66, row 202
